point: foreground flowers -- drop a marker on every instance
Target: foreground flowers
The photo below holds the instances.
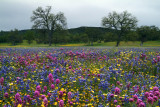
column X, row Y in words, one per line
column 80, row 77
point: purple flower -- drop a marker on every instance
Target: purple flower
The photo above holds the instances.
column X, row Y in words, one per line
column 61, row 103
column 50, row 76
column 17, row 96
column 141, row 104
column 6, row 95
column 115, row 101
column 155, row 98
column 57, row 81
column 131, row 100
column 36, row 93
column 155, row 88
column 117, row 91
column 38, row 88
column 118, row 106
column 45, row 88
column 146, row 94
column 43, row 96
column 45, row 101
column 52, row 86
column 135, row 97
column 150, row 100
column 69, row 95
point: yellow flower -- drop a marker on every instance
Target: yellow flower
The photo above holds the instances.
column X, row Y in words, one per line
column 19, row 105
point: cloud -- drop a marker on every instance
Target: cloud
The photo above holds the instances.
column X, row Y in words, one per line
column 17, row 13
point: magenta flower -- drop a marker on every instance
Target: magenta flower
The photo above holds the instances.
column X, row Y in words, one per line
column 118, row 83
column 155, row 88
column 155, row 98
column 1, row 80
column 17, row 96
column 6, row 95
column 52, row 86
column 115, row 101
column 38, row 88
column 45, row 88
column 150, row 100
column 61, row 103
column 135, row 97
column 50, row 76
column 146, row 94
column 36, row 93
column 117, row 91
column 131, row 100
column 45, row 101
column 69, row 95
column 57, row 81
column 118, row 106
column 43, row 96
column 141, row 104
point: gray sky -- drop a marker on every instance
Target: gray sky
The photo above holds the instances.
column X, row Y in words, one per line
column 17, row 13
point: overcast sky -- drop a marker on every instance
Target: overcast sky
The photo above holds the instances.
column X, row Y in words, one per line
column 17, row 13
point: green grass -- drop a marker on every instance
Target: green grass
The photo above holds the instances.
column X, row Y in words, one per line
column 113, row 44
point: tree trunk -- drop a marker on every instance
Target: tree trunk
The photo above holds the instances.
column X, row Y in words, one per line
column 50, row 37
column 118, row 40
column 141, row 43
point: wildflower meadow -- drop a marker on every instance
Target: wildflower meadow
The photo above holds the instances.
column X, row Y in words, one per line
column 80, row 77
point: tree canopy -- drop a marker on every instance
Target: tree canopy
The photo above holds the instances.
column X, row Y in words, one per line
column 44, row 19
column 120, row 22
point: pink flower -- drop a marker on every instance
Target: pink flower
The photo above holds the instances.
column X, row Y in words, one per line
column 155, row 88
column 150, row 100
column 155, row 98
column 52, row 86
column 115, row 101
column 45, row 88
column 146, row 94
column 1, row 80
column 50, row 76
column 38, row 88
column 6, row 95
column 57, row 81
column 118, row 83
column 61, row 103
column 43, row 96
column 141, row 104
column 36, row 93
column 131, row 100
column 45, row 101
column 69, row 95
column 135, row 97
column 17, row 96
column 117, row 91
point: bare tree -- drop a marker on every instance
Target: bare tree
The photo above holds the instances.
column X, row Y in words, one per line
column 44, row 19
column 122, row 23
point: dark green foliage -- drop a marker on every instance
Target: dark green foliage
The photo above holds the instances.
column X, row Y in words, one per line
column 14, row 37
column 29, row 36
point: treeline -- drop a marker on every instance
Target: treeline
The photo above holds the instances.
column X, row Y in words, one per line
column 86, row 35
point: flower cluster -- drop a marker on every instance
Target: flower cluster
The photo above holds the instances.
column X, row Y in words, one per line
column 90, row 77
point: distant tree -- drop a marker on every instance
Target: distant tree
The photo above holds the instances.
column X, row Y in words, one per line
column 44, row 19
column 121, row 22
column 92, row 34
column 109, row 36
column 143, row 32
column 29, row 36
column 14, row 37
column 131, row 36
column 84, row 38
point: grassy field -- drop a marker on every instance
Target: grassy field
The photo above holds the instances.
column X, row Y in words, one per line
column 122, row 44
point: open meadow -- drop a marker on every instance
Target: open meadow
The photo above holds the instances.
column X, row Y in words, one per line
column 80, row 77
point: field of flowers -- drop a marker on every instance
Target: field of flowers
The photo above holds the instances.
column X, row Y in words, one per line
column 80, row 77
